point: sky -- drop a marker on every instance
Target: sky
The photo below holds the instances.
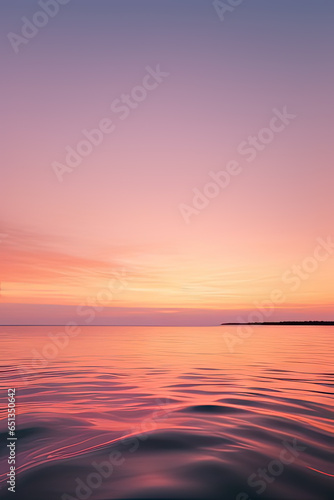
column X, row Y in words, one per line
column 166, row 163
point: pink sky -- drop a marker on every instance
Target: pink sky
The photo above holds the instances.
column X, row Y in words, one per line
column 119, row 210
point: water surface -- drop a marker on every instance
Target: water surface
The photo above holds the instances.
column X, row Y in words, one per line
column 148, row 412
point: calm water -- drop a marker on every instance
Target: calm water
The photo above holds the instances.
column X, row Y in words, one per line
column 146, row 412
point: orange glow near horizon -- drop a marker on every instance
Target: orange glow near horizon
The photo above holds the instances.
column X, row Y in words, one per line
column 206, row 190
column 166, row 283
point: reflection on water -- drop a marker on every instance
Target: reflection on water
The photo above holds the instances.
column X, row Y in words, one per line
column 147, row 412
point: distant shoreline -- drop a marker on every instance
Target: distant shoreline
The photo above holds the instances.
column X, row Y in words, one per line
column 284, row 323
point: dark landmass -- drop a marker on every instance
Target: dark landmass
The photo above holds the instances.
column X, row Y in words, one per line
column 285, row 323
